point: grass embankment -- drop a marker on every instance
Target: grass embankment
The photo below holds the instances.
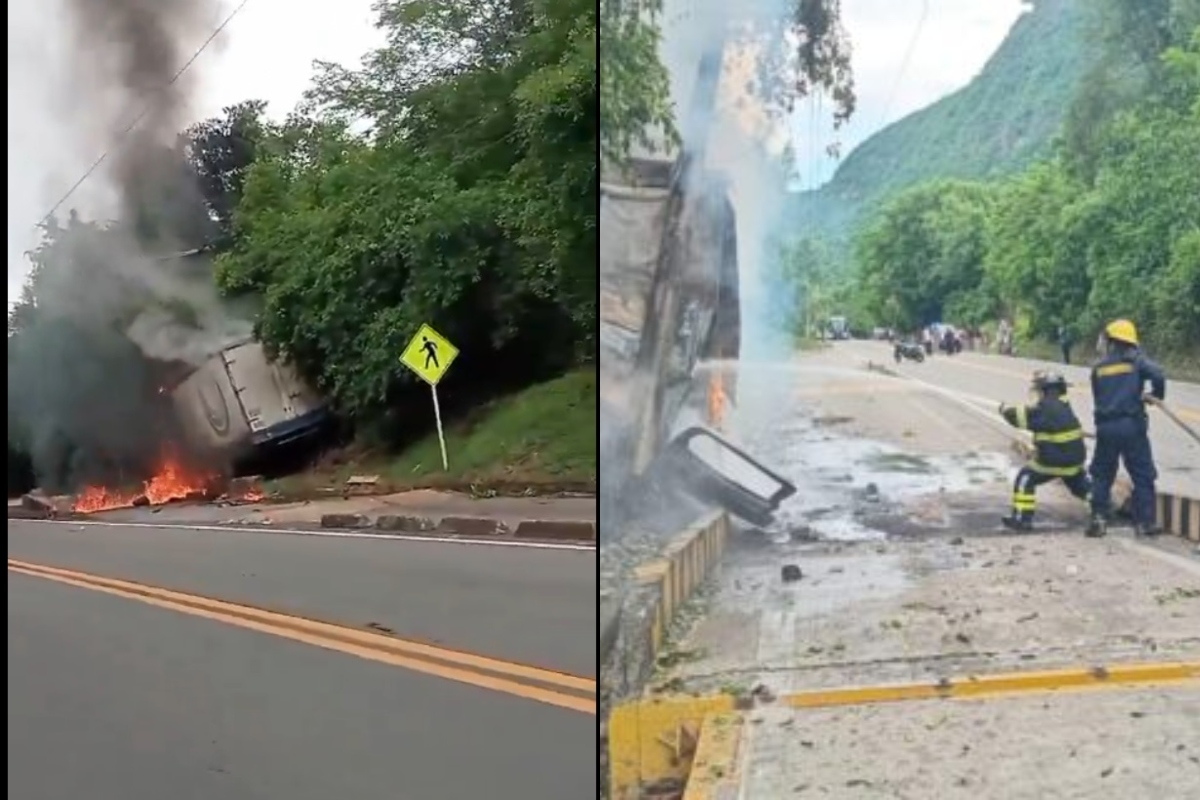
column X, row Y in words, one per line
column 538, row 441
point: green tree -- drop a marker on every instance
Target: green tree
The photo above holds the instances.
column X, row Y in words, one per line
column 1034, row 257
column 802, row 286
column 922, row 259
column 471, row 204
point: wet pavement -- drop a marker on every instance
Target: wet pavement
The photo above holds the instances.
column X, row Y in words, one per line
column 898, row 512
column 983, row 381
column 870, row 613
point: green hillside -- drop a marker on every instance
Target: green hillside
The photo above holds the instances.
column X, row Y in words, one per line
column 999, row 123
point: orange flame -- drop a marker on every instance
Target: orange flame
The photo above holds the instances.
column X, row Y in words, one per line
column 252, row 496
column 172, row 482
column 716, row 400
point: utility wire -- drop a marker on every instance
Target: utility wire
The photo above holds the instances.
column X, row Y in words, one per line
column 136, row 120
column 908, row 54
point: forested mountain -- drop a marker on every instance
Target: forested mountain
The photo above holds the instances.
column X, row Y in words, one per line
column 1106, row 225
column 1094, row 216
column 1003, row 120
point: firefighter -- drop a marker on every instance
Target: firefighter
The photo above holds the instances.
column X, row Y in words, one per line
column 1119, row 394
column 1058, row 439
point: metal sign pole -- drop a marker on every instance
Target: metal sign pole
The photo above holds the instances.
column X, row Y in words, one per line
column 437, row 414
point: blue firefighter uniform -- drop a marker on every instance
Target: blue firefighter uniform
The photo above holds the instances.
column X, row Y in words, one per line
column 1119, row 383
column 1060, row 450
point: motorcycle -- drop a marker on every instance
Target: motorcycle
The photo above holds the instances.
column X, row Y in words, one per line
column 910, row 351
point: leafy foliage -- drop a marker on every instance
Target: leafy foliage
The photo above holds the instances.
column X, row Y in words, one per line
column 924, row 256
column 471, row 204
column 1055, row 246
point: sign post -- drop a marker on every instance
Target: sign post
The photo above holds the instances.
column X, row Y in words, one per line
column 429, row 354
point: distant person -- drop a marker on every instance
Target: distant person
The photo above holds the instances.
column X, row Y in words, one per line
column 1004, row 338
column 1060, row 450
column 1119, row 396
column 949, row 342
column 1065, row 341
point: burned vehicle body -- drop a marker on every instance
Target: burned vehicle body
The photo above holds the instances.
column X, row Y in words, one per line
column 669, row 300
column 668, row 296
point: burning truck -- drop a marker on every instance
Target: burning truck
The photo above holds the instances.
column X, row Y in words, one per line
column 236, row 404
column 239, row 401
column 669, row 303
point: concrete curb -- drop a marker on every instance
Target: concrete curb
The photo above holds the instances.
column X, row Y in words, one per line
column 639, row 621
column 471, row 527
column 1179, row 515
column 633, row 627
column 610, row 625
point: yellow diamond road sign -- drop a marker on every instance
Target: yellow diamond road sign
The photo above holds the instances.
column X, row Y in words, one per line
column 429, row 354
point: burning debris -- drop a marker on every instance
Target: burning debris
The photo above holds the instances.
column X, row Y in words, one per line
column 173, row 482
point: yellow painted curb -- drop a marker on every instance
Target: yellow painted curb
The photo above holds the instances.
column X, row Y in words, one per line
column 686, row 562
column 1123, row 675
column 715, row 772
column 656, row 738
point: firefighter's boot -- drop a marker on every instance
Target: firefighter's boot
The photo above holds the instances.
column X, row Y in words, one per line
column 1018, row 522
column 1143, row 531
column 1097, row 527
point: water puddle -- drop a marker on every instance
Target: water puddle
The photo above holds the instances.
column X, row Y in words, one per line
column 850, row 485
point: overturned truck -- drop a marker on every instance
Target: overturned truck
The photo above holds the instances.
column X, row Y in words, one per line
column 669, row 300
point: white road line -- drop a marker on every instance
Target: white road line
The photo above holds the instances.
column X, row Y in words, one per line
column 586, row 548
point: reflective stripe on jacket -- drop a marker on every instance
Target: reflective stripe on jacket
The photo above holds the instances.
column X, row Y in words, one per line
column 1057, row 435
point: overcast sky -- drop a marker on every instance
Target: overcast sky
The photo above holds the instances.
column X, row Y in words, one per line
column 267, row 50
column 265, row 53
column 948, row 49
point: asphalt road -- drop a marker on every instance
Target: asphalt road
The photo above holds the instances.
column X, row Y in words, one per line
column 1007, row 379
column 112, row 697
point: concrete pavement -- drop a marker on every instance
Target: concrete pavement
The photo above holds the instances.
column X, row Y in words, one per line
column 111, row 697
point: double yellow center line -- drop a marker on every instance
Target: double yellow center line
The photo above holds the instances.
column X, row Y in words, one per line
column 531, row 683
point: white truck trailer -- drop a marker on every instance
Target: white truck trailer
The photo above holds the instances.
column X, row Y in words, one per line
column 239, row 401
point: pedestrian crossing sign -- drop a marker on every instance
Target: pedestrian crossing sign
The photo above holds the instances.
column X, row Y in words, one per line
column 429, row 354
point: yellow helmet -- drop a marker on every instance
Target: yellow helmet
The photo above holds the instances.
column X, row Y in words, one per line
column 1122, row 330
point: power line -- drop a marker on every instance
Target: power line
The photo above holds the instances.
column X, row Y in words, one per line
column 145, row 110
column 908, row 54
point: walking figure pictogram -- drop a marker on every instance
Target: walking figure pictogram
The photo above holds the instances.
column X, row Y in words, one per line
column 430, row 349
column 429, row 355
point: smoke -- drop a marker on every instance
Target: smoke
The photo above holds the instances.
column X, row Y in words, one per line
column 743, row 145
column 108, row 314
column 125, row 59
